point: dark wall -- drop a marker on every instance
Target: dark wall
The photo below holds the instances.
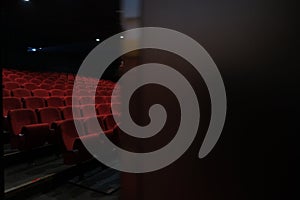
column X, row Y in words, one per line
column 253, row 43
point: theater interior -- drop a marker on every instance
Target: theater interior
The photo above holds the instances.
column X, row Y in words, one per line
column 49, row 108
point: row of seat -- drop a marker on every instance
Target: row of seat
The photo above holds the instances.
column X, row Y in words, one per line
column 22, row 92
column 33, row 129
column 10, row 103
column 38, row 109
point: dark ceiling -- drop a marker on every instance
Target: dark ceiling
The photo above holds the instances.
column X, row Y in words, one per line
column 56, row 22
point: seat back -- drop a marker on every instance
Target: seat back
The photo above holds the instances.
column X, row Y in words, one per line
column 19, row 118
column 34, row 102
column 49, row 115
column 40, row 93
column 68, row 113
column 55, row 102
column 57, row 92
column 10, row 103
column 21, row 92
column 11, row 85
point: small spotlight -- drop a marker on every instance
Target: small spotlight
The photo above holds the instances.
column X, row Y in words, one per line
column 98, row 40
column 34, row 49
column 121, row 36
column 26, row 0
column 40, row 48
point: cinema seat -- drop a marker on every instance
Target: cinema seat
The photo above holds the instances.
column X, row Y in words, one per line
column 12, row 76
column 35, row 81
column 20, row 80
column 69, row 100
column 21, row 92
column 34, row 102
column 46, row 86
column 68, row 113
column 69, row 92
column 11, row 85
column 55, row 102
column 30, row 86
column 59, row 86
column 88, row 110
column 27, row 133
column 5, row 92
column 10, row 103
column 57, row 92
column 86, row 100
column 75, row 151
column 40, row 93
column 49, row 115
column 103, row 109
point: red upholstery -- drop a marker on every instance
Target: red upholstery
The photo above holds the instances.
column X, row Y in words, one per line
column 30, row 86
column 69, row 92
column 35, row 135
column 36, row 81
column 10, row 103
column 68, row 113
column 34, row 102
column 92, row 127
column 5, row 92
column 21, row 92
column 12, row 76
column 40, row 93
column 86, row 100
column 59, row 86
column 57, row 92
column 49, row 115
column 88, row 110
column 19, row 118
column 69, row 132
column 69, row 101
column 55, row 102
column 104, row 109
column 11, row 85
column 45, row 86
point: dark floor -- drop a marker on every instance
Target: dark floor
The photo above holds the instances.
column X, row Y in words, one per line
column 71, row 191
column 24, row 173
column 94, row 182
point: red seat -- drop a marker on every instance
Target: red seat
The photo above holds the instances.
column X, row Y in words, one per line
column 100, row 100
column 69, row 132
column 55, row 102
column 21, row 92
column 59, row 86
column 28, row 134
column 12, row 76
column 88, row 110
column 75, row 150
column 49, row 115
column 40, row 93
column 11, row 85
column 104, row 109
column 20, row 80
column 30, row 86
column 19, row 118
column 69, row 100
column 5, row 80
column 85, row 100
column 109, row 122
column 10, row 103
column 5, row 92
column 34, row 102
column 92, row 127
column 36, row 81
column 68, row 92
column 67, row 112
column 57, row 92
column 46, row 86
